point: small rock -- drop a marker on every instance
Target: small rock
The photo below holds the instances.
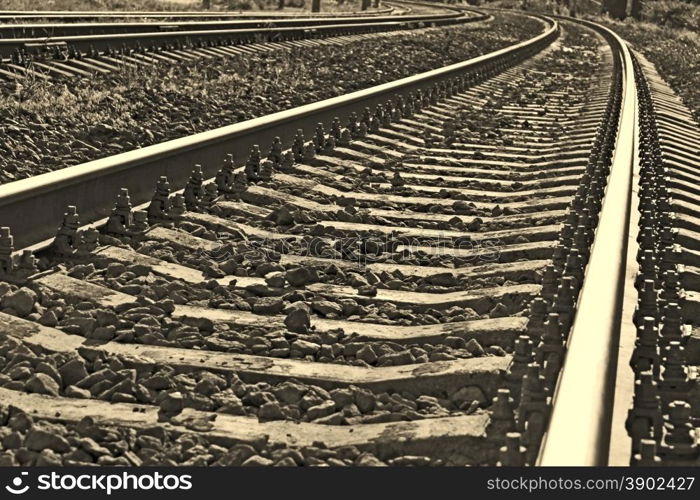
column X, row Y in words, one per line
column 410, row 461
column 91, row 446
column 298, row 320
column 368, row 460
column 289, row 392
column 467, row 394
column 286, row 462
column 342, row 397
column 48, row 458
column 22, row 301
column 365, row 400
column 474, row 348
column 301, row 348
column 268, row 305
column 270, row 411
column 104, row 333
column 41, row 383
column 499, row 311
column 173, row 403
column 257, row 461
column 298, row 277
column 321, row 410
column 41, row 438
column 73, row 371
column 326, row 307
column 75, row 392
column 367, row 355
column 48, row 318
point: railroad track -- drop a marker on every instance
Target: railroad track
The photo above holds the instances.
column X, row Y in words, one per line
column 13, row 16
column 444, row 274
column 51, row 30
column 62, row 51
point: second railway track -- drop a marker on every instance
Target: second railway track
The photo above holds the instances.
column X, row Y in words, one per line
column 415, row 282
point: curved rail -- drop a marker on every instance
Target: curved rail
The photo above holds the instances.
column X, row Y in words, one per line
column 579, row 429
column 40, row 201
column 85, row 43
column 43, row 30
column 68, row 15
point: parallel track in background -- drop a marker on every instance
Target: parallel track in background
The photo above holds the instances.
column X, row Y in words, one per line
column 79, row 50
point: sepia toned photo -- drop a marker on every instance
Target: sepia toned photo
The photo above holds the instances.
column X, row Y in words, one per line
column 348, row 233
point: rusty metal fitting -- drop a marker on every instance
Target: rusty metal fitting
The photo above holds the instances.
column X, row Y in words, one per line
column 645, row 356
column 68, row 239
column 396, row 115
column 522, row 356
column 353, row 124
column 644, row 419
column 121, row 219
column 193, row 189
column 574, row 267
column 532, row 410
column 667, row 236
column 647, row 268
column 646, row 238
column 672, row 326
column 329, row 145
column 345, row 137
column 362, row 130
column 564, row 301
column 549, row 283
column 674, row 383
column 502, row 415
column 512, row 454
column 140, row 224
column 336, row 128
column 671, row 256
column 582, row 243
column 679, row 444
column 647, row 456
column 647, row 305
column 159, row 208
column 298, row 146
column 559, row 257
column 550, row 351
column 252, row 165
column 535, row 323
column 224, row 177
column 210, row 195
column 670, row 287
column 275, row 152
column 309, row 151
column 7, row 246
column 319, row 137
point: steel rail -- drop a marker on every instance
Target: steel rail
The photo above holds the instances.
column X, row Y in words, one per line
column 33, row 207
column 579, row 428
column 43, row 30
column 182, row 14
column 134, row 40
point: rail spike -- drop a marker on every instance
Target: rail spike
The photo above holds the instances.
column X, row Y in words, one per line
column 159, row 209
column 15, row 268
